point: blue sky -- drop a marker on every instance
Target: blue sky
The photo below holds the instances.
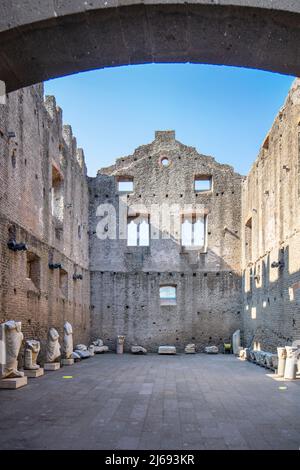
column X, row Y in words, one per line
column 222, row 111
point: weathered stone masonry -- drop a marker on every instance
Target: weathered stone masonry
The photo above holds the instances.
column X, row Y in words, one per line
column 247, row 274
column 271, row 234
column 43, row 203
column 125, row 280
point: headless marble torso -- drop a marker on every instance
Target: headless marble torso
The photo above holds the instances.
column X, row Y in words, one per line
column 13, row 341
column 53, row 346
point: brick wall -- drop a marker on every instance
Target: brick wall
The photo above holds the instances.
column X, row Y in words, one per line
column 34, row 144
column 270, row 200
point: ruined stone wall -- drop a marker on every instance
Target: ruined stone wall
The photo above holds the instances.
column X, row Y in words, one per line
column 125, row 280
column 271, row 234
column 35, row 148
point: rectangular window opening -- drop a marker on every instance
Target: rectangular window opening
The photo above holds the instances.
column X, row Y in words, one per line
column 193, row 231
column 248, row 240
column 34, row 269
column 57, row 197
column 167, row 295
column 125, row 184
column 138, row 231
column 203, row 183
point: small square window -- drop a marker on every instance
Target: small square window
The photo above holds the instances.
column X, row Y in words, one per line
column 167, row 295
column 125, row 185
column 203, row 183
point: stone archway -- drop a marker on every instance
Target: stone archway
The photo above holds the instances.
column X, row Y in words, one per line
column 43, row 40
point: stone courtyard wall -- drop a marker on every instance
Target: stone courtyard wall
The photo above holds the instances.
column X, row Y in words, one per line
column 271, row 206
column 38, row 152
column 125, row 280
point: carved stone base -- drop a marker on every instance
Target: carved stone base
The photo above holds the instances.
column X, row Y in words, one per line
column 13, row 383
column 33, row 373
column 67, row 362
column 52, row 366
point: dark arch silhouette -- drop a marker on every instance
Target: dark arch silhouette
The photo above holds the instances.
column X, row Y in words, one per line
column 43, row 40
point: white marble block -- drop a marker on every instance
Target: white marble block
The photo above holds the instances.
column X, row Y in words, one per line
column 211, row 350
column 34, row 373
column 166, row 350
column 52, row 366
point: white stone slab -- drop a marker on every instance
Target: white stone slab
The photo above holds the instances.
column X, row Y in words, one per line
column 166, row 350
column 52, row 366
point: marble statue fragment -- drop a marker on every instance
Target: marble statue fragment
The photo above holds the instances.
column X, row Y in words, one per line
column 32, row 349
column 190, row 348
column 82, row 351
column 68, row 340
column 120, row 344
column 211, row 349
column 12, row 345
column 281, row 353
column 99, row 348
column 138, row 350
column 53, row 352
column 292, row 356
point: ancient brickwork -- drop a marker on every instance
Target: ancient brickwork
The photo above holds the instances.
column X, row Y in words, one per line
column 43, row 203
column 126, row 280
column 243, row 273
column 271, row 234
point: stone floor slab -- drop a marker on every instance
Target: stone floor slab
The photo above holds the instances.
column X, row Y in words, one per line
column 153, row 402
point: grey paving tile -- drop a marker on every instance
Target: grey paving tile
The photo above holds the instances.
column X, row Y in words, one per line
column 153, row 402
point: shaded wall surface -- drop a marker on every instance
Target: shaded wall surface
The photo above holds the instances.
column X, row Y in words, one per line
column 271, row 246
column 43, row 203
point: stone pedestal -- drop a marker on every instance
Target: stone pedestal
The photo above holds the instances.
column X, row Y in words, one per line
column 281, row 353
column 67, row 362
column 120, row 344
column 33, row 373
column 291, row 363
column 13, row 383
column 236, row 342
column 52, row 366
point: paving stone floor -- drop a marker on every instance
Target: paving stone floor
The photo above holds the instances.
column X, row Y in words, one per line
column 153, row 402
